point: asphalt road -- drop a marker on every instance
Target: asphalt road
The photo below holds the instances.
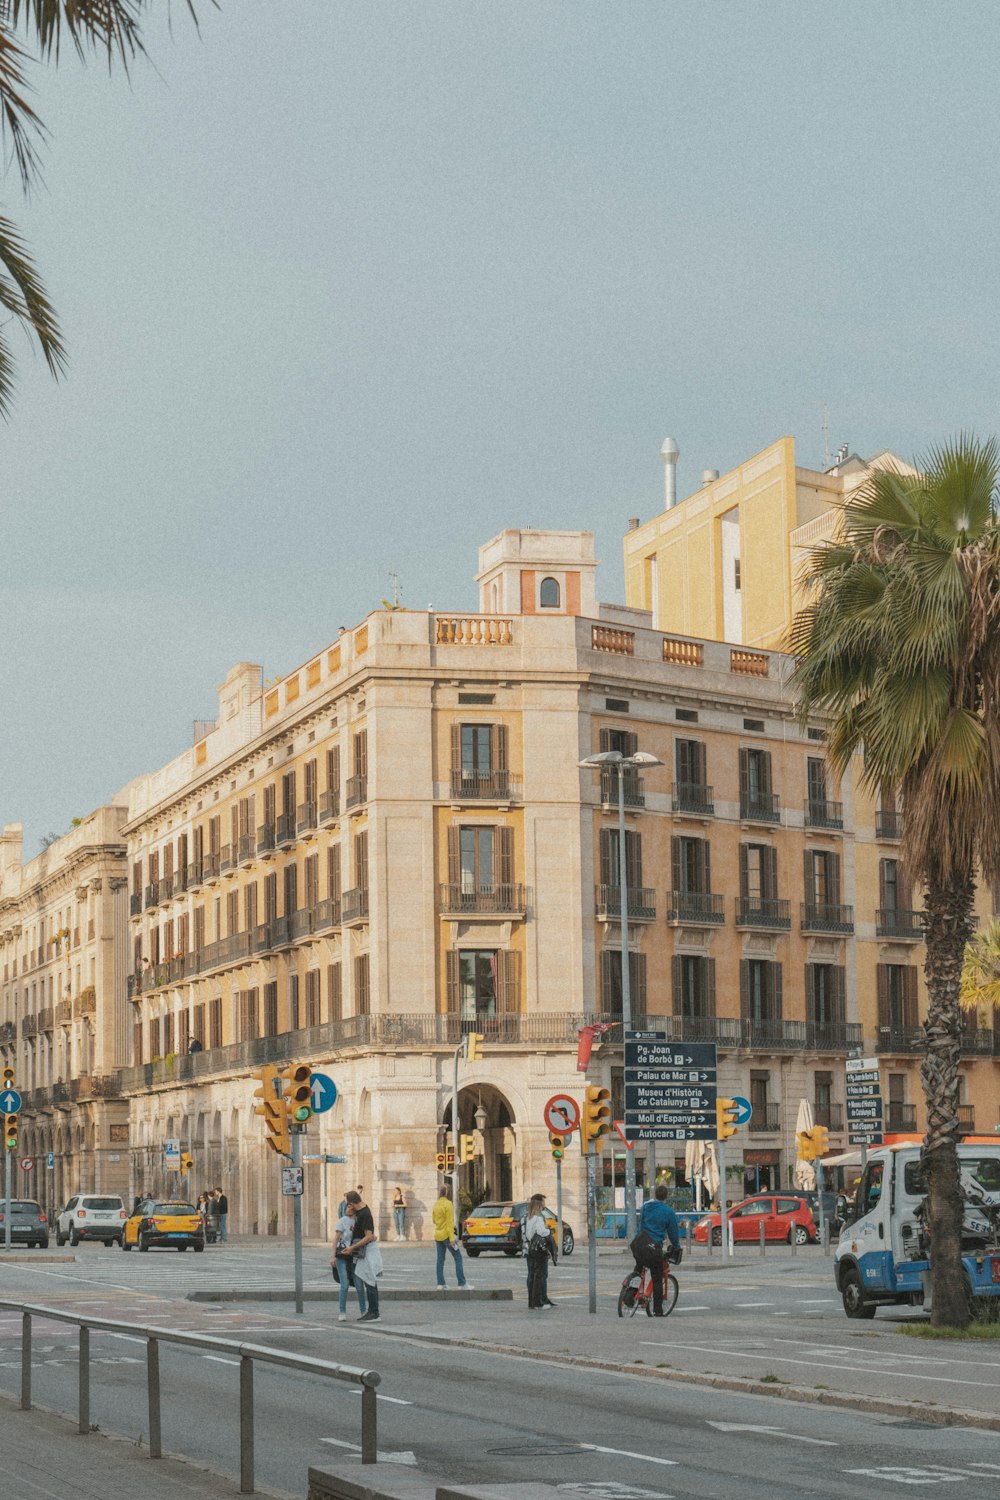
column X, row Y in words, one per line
column 478, row 1414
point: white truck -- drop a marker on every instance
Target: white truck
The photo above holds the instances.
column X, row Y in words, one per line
column 883, row 1254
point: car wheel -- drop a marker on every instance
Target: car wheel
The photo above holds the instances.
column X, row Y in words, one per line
column 569, row 1243
column 800, row 1234
column 717, row 1234
column 182, row 1248
column 74, row 1238
column 143, row 1243
column 125, row 1244
column 853, row 1295
column 471, row 1253
column 60, row 1239
column 43, row 1244
column 512, row 1252
column 199, row 1247
column 108, row 1244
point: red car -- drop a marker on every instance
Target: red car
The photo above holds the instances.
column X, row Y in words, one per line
column 782, row 1216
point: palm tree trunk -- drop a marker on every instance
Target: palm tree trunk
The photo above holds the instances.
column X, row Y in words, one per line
column 948, row 908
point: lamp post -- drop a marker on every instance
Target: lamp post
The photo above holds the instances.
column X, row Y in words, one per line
column 621, row 764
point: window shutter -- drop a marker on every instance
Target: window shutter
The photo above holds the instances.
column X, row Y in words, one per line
column 334, row 992
column 777, row 991
column 333, row 872
column 682, row 760
column 833, row 872
column 744, row 874
column 605, row 739
column 637, row 985
column 451, row 975
column 610, row 990
column 809, row 876
column 168, row 861
column 882, row 992
column 812, row 1013
column 910, row 998
column 456, row 749
column 498, row 746
column 744, row 772
column 633, row 859
column 676, row 866
column 710, row 987
column 838, row 976
column 881, row 883
column 699, row 763
column 508, row 982
column 745, row 988
column 677, row 969
column 609, row 876
column 504, row 856
column 630, row 741
column 454, row 855
column 765, row 772
column 705, row 863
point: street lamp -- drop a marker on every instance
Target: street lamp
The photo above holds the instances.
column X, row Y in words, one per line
column 622, row 763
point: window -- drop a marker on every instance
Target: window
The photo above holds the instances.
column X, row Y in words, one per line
column 250, row 906
column 288, row 795
column 483, row 983
column 291, row 882
column 548, row 594
column 822, row 878
column 232, row 913
column 360, row 753
column 215, row 1023
column 249, row 1019
column 823, row 1093
column 760, row 1087
column 692, row 866
column 611, row 983
column 335, row 992
column 313, row 1016
column 690, row 763
column 293, row 1002
column 896, row 986
column 610, row 859
column 694, row 986
column 616, row 705
column 199, row 1025
column 270, row 897
column 361, row 861
column 333, row 877
column 816, row 781
column 758, row 872
column 686, row 715
column 888, row 880
column 756, row 798
column 623, row 740
column 760, row 990
column 475, row 858
column 737, row 579
column 270, row 1009
column 482, row 698
column 312, row 881
column 826, row 991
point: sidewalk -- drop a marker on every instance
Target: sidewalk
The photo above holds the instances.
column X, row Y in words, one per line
column 43, row 1454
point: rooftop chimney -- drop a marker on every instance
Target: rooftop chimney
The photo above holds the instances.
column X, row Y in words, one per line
column 669, row 453
column 633, row 523
column 708, row 475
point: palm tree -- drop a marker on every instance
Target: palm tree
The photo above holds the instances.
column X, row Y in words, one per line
column 107, row 26
column 900, row 646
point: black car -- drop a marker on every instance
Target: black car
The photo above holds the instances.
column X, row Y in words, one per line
column 28, row 1224
column 831, row 1212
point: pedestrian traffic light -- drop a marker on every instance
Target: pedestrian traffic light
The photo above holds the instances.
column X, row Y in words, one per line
column 595, row 1122
column 298, row 1088
column 474, row 1046
column 725, row 1119
column 805, row 1146
column 273, row 1108
column 10, row 1132
column 186, row 1163
column 466, row 1148
column 558, row 1144
column 820, row 1140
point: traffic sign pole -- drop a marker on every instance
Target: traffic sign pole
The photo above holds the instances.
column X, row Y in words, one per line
column 297, row 1216
column 559, row 1236
column 727, row 1246
column 7, row 1168
column 592, row 1226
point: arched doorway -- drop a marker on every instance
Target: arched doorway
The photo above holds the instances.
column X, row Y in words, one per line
column 487, row 1116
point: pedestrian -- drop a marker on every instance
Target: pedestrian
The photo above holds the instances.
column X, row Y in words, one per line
column 211, row 1218
column 445, row 1238
column 657, row 1223
column 365, row 1253
column 539, row 1248
column 399, row 1213
column 223, row 1214
column 343, row 1266
column 202, row 1206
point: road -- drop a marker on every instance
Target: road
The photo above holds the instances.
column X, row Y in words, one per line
column 471, row 1412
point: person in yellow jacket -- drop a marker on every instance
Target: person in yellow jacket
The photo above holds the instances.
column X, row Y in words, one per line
column 445, row 1238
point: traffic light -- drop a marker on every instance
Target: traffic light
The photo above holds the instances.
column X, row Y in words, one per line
column 558, row 1144
column 820, row 1140
column 274, row 1109
column 596, row 1120
column 466, row 1148
column 440, row 1160
column 7, row 1075
column 186, row 1163
column 474, row 1046
column 725, row 1119
column 805, row 1146
column 10, row 1132
column 299, row 1092
column 450, row 1157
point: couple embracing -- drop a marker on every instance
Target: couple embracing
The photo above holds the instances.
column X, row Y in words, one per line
column 357, row 1259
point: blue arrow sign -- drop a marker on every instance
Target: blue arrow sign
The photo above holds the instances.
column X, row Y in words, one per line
column 323, row 1091
column 10, row 1102
column 744, row 1109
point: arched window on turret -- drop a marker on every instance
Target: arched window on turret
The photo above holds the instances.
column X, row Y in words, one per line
column 548, row 594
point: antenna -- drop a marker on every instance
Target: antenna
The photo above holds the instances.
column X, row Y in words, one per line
column 393, row 577
column 826, row 436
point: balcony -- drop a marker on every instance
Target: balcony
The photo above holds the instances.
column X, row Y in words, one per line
column 307, row 817
column 227, row 858
column 354, row 906
column 765, row 1120
column 210, row 865
column 245, row 847
column 135, row 904
column 284, row 829
column 834, row 1036
column 641, row 903
column 8, row 1033
column 633, row 787
column 830, row 1115
column 694, row 797
column 459, row 900
column 64, row 1012
column 180, row 881
column 483, row 786
column 329, row 806
column 194, row 874
column 46, row 1018
column 265, row 838
column 821, row 813
column 760, row 807
column 826, row 916
column 966, row 1119
column 888, row 825
column 895, row 922
column 900, row 1039
column 357, row 791
column 696, row 908
column 29, row 1025
column 900, row 1117
column 85, row 1003
column 763, row 911
column 152, row 895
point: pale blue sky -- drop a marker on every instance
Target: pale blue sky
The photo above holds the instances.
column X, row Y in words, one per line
column 350, row 285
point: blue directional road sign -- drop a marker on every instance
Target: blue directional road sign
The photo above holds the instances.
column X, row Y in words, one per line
column 744, row 1109
column 10, row 1102
column 323, row 1091
column 670, row 1088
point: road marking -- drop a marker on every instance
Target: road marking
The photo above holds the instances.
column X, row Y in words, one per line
column 403, row 1457
column 219, row 1360
column 697, row 1307
column 755, row 1304
column 129, row 1338
column 647, row 1458
column 610, row 1489
column 915, row 1476
column 810, row 1364
column 818, row 1301
column 796, row 1437
column 394, row 1399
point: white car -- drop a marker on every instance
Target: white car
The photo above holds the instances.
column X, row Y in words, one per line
column 91, row 1216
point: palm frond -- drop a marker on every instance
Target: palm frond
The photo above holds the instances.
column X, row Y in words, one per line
column 22, row 293
column 19, row 123
column 981, row 970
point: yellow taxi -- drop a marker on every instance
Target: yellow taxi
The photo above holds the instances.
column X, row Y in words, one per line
column 497, row 1226
column 168, row 1222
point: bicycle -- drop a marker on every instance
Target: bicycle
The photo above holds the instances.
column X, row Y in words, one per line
column 637, row 1289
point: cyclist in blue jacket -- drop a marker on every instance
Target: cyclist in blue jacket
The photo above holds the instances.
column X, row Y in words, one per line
column 660, row 1222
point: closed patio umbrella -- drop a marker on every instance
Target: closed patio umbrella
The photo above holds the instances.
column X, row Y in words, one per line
column 804, row 1173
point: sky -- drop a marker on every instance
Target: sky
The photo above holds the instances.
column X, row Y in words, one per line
column 350, row 285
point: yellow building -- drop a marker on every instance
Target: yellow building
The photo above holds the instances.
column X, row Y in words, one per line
column 724, row 563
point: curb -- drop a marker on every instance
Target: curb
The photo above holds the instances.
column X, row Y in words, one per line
column 941, row 1416
column 385, row 1294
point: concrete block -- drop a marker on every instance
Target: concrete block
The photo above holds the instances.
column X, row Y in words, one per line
column 370, row 1482
column 500, row 1492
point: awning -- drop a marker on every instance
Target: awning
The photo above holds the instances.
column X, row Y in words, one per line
column 845, row 1159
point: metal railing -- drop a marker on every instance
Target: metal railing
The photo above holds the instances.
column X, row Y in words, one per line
column 888, row 824
column 633, row 788
column 476, row 786
column 821, row 813
column 699, row 908
column 368, row 1380
column 760, row 807
column 763, row 911
column 897, row 922
column 826, row 916
column 766, row 1119
column 491, row 900
column 694, row 797
column 641, row 903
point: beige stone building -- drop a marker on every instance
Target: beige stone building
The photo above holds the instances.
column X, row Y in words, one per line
column 64, row 1023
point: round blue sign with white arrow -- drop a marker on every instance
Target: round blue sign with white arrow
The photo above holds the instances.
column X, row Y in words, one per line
column 744, row 1109
column 10, row 1102
column 323, row 1092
